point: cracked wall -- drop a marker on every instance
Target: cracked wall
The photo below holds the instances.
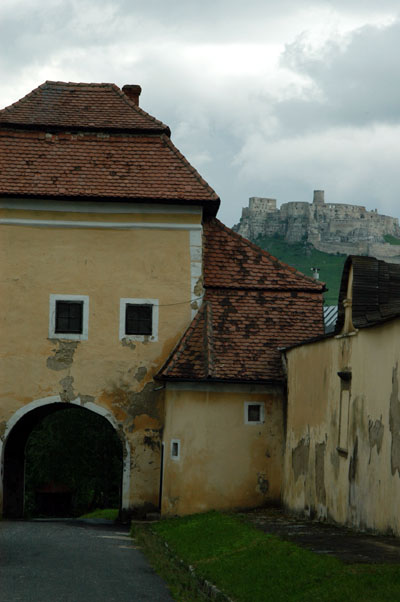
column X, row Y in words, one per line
column 349, row 476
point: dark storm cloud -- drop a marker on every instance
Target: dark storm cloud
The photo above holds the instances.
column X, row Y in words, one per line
column 323, row 119
column 354, row 85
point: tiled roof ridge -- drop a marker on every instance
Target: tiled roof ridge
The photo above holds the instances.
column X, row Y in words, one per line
column 317, row 285
column 195, row 173
column 35, row 92
column 181, row 345
column 209, row 340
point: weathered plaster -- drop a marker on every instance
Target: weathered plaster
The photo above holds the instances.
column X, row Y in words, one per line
column 320, row 449
column 127, row 343
column 300, row 456
column 67, row 393
column 63, row 355
column 394, row 421
column 141, row 373
column 362, row 484
column 375, row 431
column 262, row 483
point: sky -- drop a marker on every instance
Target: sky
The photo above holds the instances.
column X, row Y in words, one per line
column 264, row 97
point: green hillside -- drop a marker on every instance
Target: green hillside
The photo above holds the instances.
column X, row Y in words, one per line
column 303, row 257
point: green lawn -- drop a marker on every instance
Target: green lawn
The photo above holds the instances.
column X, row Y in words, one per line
column 107, row 513
column 250, row 566
column 304, row 257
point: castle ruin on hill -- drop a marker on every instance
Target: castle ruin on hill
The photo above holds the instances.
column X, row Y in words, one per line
column 329, row 227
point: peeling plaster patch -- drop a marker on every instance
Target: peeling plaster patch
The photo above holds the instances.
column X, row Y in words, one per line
column 262, row 483
column 144, row 402
column 86, row 399
column 394, row 421
column 63, row 355
column 375, row 432
column 67, row 393
column 320, row 449
column 127, row 343
column 300, row 455
column 140, row 373
column 153, row 441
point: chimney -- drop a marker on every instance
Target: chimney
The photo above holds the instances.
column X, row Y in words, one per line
column 319, row 197
column 132, row 91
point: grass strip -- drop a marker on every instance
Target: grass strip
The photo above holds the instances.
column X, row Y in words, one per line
column 183, row 584
column 106, row 513
column 248, row 565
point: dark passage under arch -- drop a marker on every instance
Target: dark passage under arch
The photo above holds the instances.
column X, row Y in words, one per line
column 60, row 448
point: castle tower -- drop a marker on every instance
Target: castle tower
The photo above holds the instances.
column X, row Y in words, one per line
column 319, row 197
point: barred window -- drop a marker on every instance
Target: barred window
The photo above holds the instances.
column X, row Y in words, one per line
column 139, row 319
column 69, row 317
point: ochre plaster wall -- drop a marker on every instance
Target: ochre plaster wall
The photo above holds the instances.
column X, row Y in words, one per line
column 105, row 264
column 224, row 463
column 359, row 484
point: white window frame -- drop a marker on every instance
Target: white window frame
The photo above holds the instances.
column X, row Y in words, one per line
column 261, row 404
column 178, row 456
column 122, row 320
column 84, row 299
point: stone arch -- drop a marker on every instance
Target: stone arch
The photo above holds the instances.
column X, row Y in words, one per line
column 12, row 449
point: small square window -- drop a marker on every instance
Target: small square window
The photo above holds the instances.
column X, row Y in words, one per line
column 69, row 317
column 175, row 449
column 253, row 413
column 138, row 319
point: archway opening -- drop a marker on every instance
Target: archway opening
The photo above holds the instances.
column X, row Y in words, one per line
column 61, row 460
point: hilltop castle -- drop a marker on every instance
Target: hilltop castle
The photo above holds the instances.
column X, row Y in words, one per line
column 329, row 227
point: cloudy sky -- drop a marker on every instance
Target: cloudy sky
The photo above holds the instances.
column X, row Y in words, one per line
column 264, row 97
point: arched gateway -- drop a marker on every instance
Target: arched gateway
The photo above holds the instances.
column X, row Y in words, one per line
column 12, row 449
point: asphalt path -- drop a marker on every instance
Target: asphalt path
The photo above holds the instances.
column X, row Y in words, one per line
column 55, row 561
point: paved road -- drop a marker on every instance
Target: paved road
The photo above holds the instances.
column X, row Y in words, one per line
column 74, row 562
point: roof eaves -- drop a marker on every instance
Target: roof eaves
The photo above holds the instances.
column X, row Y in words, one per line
column 212, row 194
column 277, row 289
column 255, row 381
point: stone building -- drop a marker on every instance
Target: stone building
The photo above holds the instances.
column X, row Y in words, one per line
column 329, row 227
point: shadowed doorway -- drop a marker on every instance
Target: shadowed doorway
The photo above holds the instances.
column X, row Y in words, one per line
column 61, row 460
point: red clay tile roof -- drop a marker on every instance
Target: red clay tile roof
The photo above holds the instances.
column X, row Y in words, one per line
column 104, row 147
column 233, row 261
column 89, row 165
column 89, row 106
column 242, row 323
